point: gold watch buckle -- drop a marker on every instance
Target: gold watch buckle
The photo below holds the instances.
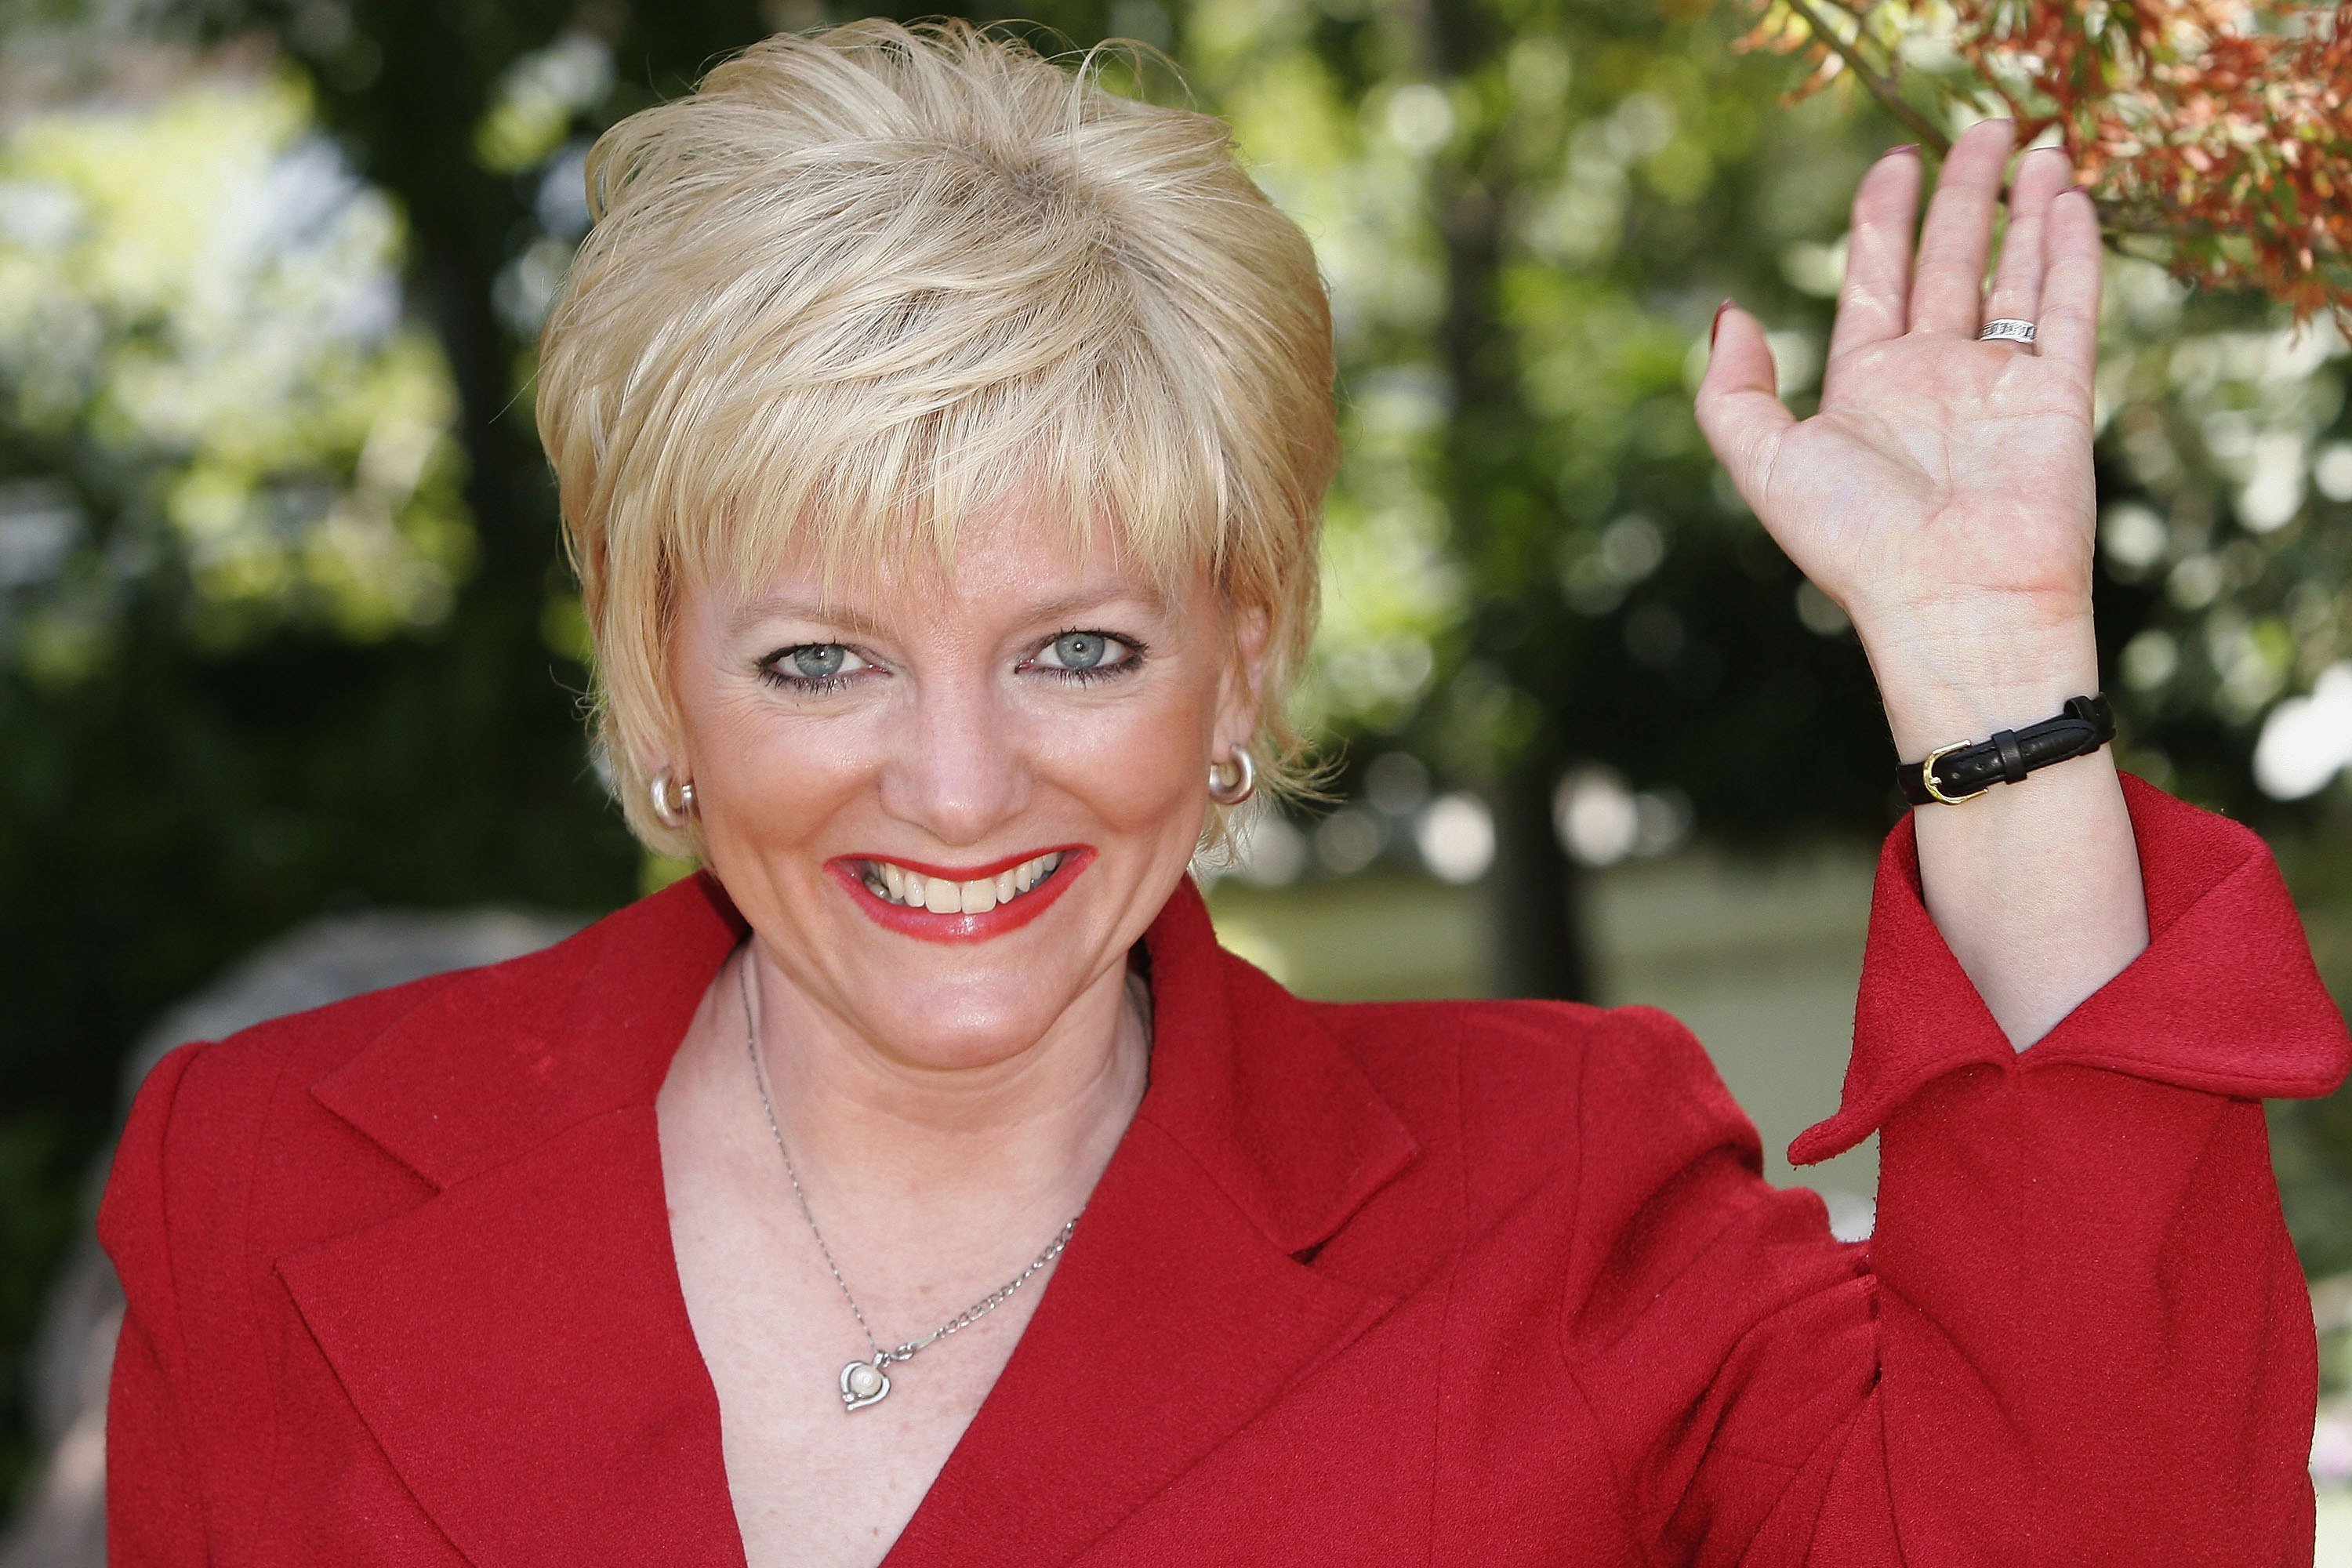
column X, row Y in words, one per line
column 1928, row 775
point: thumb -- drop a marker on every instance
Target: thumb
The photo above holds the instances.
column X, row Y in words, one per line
column 1739, row 410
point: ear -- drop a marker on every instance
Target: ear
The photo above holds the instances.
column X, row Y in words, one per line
column 1244, row 676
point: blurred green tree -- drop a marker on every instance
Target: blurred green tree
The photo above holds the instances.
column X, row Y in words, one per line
column 1529, row 210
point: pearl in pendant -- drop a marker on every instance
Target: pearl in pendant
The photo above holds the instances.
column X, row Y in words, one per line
column 863, row 1384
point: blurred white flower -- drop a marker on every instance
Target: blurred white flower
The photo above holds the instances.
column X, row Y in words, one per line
column 1596, row 816
column 1349, row 839
column 2274, row 494
column 2331, row 1449
column 1455, row 837
column 1420, row 118
column 2333, row 471
column 1396, row 782
column 1268, row 852
column 2150, row 659
column 2133, row 535
column 2307, row 740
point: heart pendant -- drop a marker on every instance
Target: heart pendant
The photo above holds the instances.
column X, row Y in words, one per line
column 863, row 1383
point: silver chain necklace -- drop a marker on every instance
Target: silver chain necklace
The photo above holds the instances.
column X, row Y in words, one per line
column 864, row 1382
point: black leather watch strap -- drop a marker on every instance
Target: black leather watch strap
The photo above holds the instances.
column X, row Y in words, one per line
column 1951, row 774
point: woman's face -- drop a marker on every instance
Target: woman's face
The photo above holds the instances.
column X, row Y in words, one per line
column 950, row 800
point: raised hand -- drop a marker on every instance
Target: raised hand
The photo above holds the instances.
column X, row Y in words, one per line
column 1942, row 496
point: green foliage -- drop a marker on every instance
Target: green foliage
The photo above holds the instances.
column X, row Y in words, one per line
column 1527, row 214
column 209, row 379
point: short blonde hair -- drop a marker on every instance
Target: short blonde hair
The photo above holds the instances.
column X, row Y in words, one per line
column 862, row 282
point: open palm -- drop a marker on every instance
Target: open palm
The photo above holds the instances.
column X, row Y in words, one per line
column 1943, row 493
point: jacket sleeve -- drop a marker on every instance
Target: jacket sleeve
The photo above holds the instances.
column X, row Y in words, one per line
column 154, row 1507
column 2078, row 1334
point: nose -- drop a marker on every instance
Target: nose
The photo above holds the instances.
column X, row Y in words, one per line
column 957, row 770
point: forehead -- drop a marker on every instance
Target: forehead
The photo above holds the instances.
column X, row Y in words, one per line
column 1018, row 563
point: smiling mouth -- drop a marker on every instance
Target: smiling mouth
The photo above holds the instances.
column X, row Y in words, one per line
column 910, row 889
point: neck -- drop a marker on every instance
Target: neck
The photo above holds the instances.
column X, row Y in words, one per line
column 996, row 1140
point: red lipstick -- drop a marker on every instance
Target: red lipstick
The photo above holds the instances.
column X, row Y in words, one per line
column 1023, row 908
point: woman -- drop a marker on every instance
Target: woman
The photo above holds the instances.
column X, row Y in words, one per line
column 940, row 443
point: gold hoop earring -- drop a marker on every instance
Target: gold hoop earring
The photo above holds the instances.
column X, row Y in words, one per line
column 1240, row 786
column 673, row 803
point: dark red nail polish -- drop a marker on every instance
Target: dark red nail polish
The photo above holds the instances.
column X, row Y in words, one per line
column 1716, row 325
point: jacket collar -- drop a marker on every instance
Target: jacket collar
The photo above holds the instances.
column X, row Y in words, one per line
column 1244, row 1076
column 1247, row 1079
column 524, row 1095
column 496, row 1060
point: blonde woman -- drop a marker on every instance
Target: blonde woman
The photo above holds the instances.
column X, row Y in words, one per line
column 941, row 438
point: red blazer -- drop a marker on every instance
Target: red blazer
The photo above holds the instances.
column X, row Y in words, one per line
column 1473, row 1283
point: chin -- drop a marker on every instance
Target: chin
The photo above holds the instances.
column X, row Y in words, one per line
column 953, row 1029
column 951, row 999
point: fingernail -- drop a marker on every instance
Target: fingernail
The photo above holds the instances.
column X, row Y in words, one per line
column 1716, row 325
column 1910, row 147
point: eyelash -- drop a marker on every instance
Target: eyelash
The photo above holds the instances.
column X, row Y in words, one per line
column 806, row 685
column 821, row 686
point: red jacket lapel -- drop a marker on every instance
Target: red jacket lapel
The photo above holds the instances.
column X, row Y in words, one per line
column 504, row 1057
column 520, row 1349
column 1179, row 1312
column 518, row 1344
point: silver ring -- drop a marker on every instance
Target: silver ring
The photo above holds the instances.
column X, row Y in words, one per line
column 2007, row 330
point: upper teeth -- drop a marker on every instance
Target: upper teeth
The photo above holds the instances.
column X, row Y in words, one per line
column 942, row 897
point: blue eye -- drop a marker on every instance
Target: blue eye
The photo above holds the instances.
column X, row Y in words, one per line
column 819, row 661
column 1079, row 650
column 813, row 667
column 1086, row 656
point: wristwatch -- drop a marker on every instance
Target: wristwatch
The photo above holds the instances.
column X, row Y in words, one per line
column 1965, row 770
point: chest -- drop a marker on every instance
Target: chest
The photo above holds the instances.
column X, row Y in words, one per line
column 812, row 1481
column 1180, row 1392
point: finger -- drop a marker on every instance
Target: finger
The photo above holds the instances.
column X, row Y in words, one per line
column 2017, row 282
column 1875, row 303
column 2069, row 325
column 1739, row 409
column 1948, row 284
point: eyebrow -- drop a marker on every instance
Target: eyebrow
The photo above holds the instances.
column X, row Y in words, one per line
column 851, row 619
column 847, row 618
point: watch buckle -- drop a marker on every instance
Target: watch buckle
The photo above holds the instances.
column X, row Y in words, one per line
column 1928, row 775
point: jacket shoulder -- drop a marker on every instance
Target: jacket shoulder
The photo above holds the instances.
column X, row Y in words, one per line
column 247, row 1068
column 1522, row 1087
column 1544, row 1049
column 210, row 1114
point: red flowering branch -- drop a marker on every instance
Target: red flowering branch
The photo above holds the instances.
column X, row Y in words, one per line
column 2221, row 130
column 1880, row 85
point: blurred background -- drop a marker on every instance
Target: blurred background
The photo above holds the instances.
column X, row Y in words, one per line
column 290, row 666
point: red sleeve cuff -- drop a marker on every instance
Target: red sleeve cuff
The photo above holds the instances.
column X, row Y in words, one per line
column 2224, row 1000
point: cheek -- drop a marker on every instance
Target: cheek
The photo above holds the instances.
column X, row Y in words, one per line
column 768, row 781
column 1140, row 770
column 771, row 782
